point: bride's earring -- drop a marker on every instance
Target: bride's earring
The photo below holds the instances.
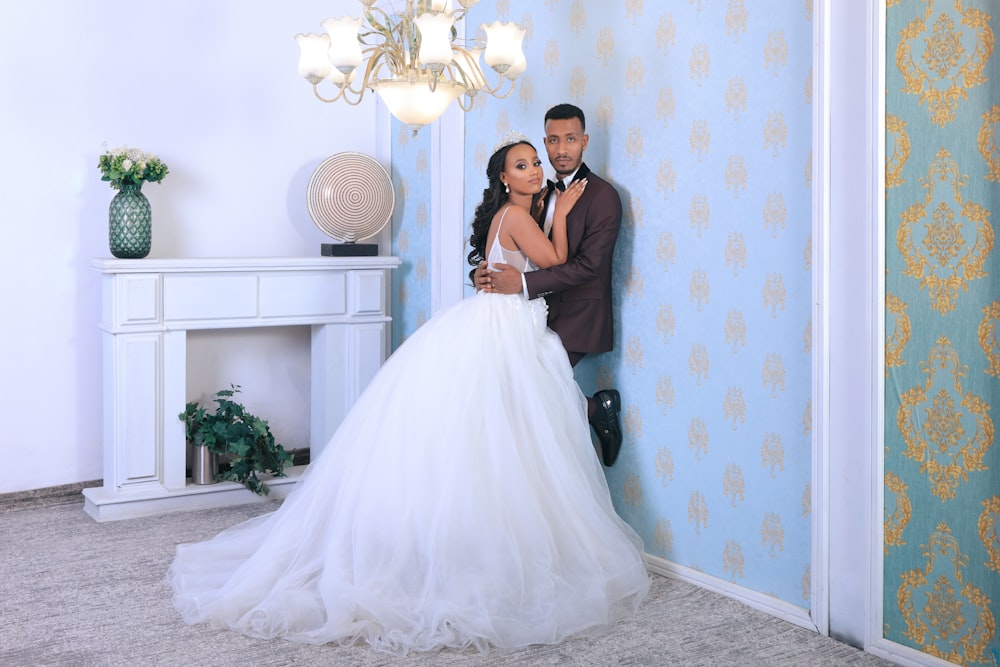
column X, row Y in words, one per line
column 506, row 188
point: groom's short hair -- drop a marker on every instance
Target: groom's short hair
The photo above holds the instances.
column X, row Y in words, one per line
column 565, row 112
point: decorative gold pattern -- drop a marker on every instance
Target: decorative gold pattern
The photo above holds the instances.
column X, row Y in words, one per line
column 633, row 10
column 736, row 252
column 897, row 332
column 698, row 511
column 989, row 337
column 807, row 255
column 665, row 322
column 632, row 421
column 578, row 86
column 664, row 465
column 665, row 393
column 736, row 174
column 577, row 18
column 420, row 272
column 733, row 484
column 633, row 353
column 666, row 180
column 700, row 214
column 807, row 171
column 634, row 283
column 735, row 330
column 776, row 51
column 940, row 627
column 807, row 419
column 699, row 288
column 734, row 408
column 666, row 33
column 732, row 559
column 736, row 97
column 775, row 133
column 945, row 262
column 897, row 512
column 606, row 45
column 698, row 437
column 772, row 535
column 772, row 454
column 404, row 294
column 807, row 501
column 807, row 340
column 774, row 293
column 700, row 138
column 525, row 91
column 934, row 428
column 634, row 74
column 897, row 150
column 948, row 71
column 736, row 19
column 633, row 144
column 605, row 110
column 988, row 145
column 989, row 531
column 633, row 490
column 807, row 583
column 700, row 63
column 775, row 213
column 698, row 363
column 773, row 373
column 666, row 106
column 664, row 536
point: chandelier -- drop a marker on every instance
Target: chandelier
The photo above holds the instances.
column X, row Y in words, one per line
column 415, row 60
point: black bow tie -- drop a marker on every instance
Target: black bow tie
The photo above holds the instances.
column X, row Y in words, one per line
column 558, row 185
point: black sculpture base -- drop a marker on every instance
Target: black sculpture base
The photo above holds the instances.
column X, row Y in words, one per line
column 349, row 249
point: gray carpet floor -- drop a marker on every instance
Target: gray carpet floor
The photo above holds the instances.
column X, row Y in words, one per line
column 77, row 592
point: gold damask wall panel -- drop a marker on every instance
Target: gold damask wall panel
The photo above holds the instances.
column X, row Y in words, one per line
column 942, row 356
column 700, row 113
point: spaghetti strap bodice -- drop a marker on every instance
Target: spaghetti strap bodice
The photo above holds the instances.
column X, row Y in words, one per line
column 498, row 254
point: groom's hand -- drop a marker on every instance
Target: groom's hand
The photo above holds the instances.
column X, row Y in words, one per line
column 506, row 280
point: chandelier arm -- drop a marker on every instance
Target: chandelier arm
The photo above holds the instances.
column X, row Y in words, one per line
column 462, row 102
column 341, row 94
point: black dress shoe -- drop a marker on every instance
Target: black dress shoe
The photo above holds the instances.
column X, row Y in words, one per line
column 606, row 424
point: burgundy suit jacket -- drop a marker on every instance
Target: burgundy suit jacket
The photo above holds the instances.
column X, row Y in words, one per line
column 579, row 292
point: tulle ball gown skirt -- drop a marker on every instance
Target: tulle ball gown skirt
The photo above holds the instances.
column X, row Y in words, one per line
column 460, row 503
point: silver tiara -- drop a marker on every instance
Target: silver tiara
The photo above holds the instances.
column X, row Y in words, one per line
column 509, row 139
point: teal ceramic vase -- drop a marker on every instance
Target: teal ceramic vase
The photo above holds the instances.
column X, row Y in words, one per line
column 130, row 230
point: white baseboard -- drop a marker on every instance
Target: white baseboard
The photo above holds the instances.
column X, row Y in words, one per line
column 785, row 611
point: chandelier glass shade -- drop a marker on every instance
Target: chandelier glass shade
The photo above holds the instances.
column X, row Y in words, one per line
column 412, row 58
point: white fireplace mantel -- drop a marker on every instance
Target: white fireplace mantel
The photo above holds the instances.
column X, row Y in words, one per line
column 149, row 305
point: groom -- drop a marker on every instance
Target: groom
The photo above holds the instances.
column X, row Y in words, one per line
column 578, row 292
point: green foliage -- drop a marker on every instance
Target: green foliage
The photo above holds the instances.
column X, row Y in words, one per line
column 247, row 439
column 130, row 166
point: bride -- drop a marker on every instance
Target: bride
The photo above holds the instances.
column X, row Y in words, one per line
column 460, row 503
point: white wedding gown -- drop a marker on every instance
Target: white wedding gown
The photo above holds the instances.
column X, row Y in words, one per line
column 460, row 503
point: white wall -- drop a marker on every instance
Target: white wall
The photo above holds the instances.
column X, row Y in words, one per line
column 211, row 88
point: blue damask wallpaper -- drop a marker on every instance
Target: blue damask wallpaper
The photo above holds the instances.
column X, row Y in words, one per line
column 942, row 326
column 699, row 112
column 411, row 231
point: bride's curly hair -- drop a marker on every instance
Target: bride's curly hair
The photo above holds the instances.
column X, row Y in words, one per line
column 494, row 198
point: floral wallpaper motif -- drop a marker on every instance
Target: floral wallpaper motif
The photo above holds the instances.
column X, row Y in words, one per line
column 700, row 114
column 942, row 359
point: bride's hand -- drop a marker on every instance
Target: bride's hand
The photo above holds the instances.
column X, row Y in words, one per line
column 568, row 198
column 538, row 207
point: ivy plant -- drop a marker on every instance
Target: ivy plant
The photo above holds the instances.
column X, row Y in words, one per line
column 230, row 429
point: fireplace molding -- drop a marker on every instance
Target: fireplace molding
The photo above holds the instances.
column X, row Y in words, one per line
column 149, row 305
